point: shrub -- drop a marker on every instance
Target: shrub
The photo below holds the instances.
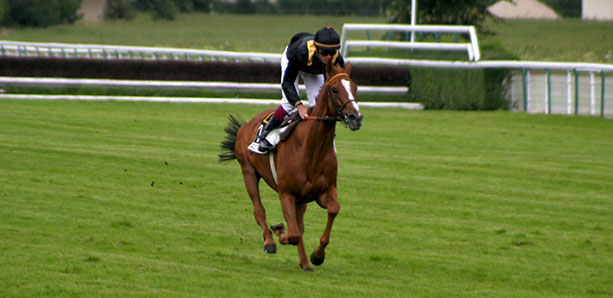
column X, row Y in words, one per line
column 119, row 9
column 184, row 5
column 202, row 5
column 3, row 6
column 565, row 8
column 40, row 13
column 464, row 89
column 443, row 12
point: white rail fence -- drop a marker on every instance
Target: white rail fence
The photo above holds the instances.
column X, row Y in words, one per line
column 472, row 48
column 92, row 51
column 219, row 86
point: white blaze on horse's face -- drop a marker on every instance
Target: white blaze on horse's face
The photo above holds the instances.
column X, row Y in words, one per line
column 347, row 86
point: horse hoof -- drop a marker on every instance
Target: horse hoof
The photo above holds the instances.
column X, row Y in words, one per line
column 315, row 260
column 307, row 269
column 270, row 248
column 278, row 228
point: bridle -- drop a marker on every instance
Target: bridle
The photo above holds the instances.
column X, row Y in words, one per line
column 340, row 116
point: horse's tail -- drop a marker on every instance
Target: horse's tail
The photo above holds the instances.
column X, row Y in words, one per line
column 227, row 145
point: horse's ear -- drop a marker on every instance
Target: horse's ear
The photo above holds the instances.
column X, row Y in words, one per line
column 348, row 68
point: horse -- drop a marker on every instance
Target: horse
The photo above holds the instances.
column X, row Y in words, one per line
column 304, row 167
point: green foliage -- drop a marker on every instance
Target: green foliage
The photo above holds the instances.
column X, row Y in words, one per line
column 458, row 89
column 464, row 89
column 331, row 7
column 565, row 8
column 202, row 5
column 40, row 13
column 3, row 6
column 119, row 9
column 444, row 12
column 163, row 9
column 184, row 5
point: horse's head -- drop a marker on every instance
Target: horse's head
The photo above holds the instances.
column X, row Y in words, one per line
column 341, row 92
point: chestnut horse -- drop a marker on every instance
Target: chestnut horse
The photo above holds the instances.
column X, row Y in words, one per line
column 305, row 164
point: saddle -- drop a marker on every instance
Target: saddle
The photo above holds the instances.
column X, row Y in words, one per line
column 290, row 121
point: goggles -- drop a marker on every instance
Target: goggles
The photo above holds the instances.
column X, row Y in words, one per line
column 324, row 52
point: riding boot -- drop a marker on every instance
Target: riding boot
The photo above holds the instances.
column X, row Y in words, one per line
column 261, row 145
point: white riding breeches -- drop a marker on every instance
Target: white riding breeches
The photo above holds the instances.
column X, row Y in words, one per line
column 312, row 82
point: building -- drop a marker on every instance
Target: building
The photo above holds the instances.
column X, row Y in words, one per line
column 523, row 9
column 601, row 10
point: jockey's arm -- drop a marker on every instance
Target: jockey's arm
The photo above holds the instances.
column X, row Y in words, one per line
column 287, row 85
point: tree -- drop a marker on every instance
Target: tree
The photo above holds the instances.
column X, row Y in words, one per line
column 443, row 12
column 40, row 13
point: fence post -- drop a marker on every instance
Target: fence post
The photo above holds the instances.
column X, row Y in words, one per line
column 568, row 92
column 525, row 88
column 548, row 92
column 602, row 93
column 576, row 91
column 592, row 94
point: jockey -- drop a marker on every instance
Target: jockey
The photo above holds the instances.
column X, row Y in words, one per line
column 306, row 56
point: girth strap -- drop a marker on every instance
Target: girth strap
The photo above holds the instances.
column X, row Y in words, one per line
column 273, row 168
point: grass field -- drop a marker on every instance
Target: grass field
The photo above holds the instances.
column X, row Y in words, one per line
column 128, row 199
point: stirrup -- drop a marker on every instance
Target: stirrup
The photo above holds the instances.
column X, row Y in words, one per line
column 260, row 148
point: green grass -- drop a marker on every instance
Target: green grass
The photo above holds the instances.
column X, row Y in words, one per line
column 562, row 40
column 128, row 199
column 570, row 40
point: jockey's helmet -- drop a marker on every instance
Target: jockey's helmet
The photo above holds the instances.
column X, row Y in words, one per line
column 327, row 39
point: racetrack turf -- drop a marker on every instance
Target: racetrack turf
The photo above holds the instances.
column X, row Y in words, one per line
column 128, row 199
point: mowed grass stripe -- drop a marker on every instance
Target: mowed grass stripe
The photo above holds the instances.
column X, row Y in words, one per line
column 115, row 198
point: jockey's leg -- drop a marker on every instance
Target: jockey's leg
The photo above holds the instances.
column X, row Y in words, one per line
column 260, row 145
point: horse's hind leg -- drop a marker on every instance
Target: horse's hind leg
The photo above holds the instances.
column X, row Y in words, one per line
column 252, row 179
column 329, row 202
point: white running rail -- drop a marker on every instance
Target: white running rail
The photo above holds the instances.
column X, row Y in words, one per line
column 49, row 49
column 472, row 48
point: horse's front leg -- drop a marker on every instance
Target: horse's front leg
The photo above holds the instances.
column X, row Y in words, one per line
column 288, row 206
column 328, row 201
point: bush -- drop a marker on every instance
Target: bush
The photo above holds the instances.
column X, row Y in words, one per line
column 164, row 9
column 464, row 89
column 441, row 12
column 160, row 9
column 119, row 9
column 40, row 13
column 202, row 5
column 3, row 6
column 184, row 5
column 565, row 8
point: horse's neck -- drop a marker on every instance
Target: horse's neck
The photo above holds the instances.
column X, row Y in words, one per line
column 320, row 134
